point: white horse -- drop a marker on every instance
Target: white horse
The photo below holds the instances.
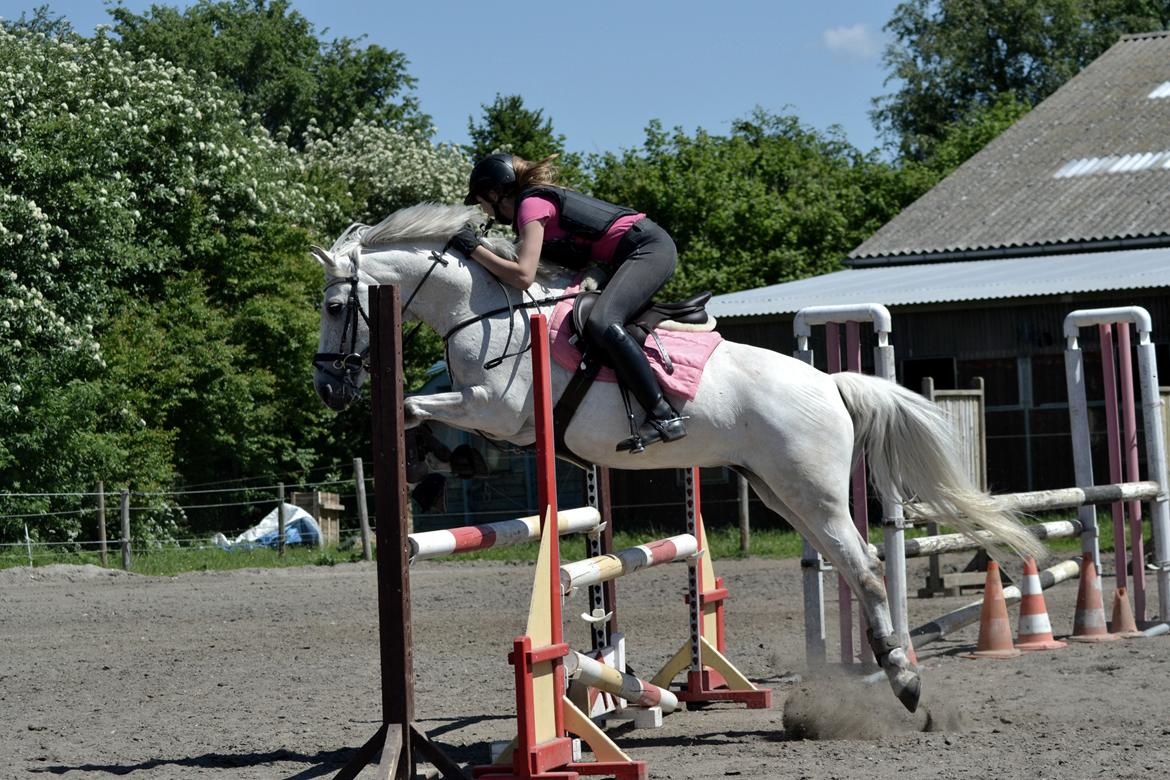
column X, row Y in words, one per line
column 790, row 429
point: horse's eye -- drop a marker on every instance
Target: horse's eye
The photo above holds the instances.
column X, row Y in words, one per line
column 335, row 308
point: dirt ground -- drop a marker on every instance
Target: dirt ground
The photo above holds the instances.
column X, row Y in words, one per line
column 274, row 674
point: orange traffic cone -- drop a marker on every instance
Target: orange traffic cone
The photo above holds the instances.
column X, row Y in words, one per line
column 1123, row 624
column 995, row 629
column 1035, row 628
column 1089, row 623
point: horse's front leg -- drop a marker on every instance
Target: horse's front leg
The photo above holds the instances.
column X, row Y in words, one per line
column 470, row 409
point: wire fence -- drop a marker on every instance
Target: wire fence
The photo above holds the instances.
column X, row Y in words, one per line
column 115, row 527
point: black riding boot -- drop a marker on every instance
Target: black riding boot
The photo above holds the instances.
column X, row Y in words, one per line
column 662, row 423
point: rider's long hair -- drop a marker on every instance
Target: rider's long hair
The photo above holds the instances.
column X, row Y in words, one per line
column 534, row 174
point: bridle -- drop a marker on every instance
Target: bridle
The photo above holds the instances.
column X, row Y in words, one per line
column 344, row 365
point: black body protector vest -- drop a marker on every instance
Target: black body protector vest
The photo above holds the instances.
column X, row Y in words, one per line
column 584, row 218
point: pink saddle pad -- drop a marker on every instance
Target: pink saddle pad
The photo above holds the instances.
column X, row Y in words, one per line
column 688, row 353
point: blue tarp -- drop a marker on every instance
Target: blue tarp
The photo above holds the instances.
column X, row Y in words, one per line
column 299, row 528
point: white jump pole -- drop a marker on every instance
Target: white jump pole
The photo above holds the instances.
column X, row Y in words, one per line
column 893, row 521
column 1035, row 501
column 1153, row 428
column 965, row 616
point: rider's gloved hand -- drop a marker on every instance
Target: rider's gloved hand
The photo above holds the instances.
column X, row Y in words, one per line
column 465, row 240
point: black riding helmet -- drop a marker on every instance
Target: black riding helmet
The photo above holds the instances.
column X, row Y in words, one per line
column 494, row 172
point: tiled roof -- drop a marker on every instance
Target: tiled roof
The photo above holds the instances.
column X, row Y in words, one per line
column 973, row 280
column 1088, row 168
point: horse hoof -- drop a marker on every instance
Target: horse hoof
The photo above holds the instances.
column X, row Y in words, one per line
column 908, row 691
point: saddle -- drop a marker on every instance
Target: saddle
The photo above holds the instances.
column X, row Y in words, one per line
column 689, row 314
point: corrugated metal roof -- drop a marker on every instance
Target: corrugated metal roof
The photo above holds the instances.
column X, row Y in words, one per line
column 1017, row 192
column 971, row 280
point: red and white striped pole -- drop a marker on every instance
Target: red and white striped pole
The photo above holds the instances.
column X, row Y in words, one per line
column 426, row 545
column 603, row 568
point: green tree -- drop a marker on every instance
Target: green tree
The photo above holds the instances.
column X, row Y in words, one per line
column 507, row 125
column 272, row 56
column 949, row 57
column 771, row 202
column 157, row 302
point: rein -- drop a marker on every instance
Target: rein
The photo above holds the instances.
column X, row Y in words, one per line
column 510, row 309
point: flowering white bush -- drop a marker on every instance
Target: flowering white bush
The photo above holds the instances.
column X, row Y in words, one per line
column 382, row 170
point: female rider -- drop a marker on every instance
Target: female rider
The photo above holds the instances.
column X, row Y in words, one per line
column 576, row 230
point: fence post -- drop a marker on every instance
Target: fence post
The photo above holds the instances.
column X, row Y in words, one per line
column 745, row 530
column 126, row 529
column 101, row 496
column 28, row 545
column 359, row 478
column 280, row 519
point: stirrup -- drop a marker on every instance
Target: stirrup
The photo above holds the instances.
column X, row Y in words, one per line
column 653, row 431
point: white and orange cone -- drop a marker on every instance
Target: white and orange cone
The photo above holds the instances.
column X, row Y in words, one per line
column 1123, row 624
column 995, row 629
column 1035, row 628
column 1089, row 623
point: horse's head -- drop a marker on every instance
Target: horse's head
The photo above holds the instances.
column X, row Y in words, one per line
column 341, row 361
column 440, row 287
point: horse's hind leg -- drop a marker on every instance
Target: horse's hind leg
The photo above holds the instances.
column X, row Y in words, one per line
column 827, row 525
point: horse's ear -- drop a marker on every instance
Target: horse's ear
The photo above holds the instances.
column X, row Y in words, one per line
column 323, row 257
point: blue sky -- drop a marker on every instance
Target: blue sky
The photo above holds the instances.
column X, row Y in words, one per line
column 602, row 70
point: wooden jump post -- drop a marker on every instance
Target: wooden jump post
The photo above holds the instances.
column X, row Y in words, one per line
column 710, row 675
column 399, row 739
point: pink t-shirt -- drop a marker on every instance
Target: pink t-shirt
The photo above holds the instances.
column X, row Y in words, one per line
column 539, row 207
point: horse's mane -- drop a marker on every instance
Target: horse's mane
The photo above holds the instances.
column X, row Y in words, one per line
column 430, row 221
column 435, row 222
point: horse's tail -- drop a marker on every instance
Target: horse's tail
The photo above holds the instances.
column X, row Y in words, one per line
column 907, row 442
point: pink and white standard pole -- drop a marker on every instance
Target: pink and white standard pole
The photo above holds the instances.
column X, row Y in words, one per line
column 893, row 520
column 1152, row 417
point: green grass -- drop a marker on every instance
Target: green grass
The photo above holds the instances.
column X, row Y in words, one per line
column 168, row 561
column 724, row 543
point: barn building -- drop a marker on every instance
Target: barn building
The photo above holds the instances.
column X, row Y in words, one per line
column 1067, row 209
